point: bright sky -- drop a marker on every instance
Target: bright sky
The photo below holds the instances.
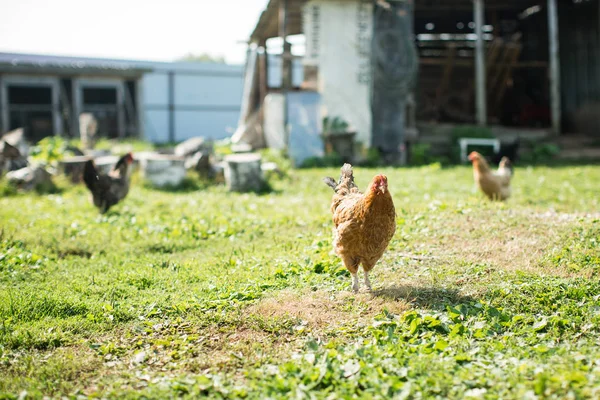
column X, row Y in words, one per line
column 130, row 29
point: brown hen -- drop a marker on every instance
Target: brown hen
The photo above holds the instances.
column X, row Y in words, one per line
column 495, row 184
column 364, row 223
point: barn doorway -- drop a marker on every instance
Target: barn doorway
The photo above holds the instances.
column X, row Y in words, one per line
column 31, row 108
column 103, row 103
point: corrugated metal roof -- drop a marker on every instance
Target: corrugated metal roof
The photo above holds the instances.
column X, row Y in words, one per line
column 20, row 61
column 38, row 63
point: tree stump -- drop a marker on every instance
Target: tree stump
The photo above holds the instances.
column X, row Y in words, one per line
column 73, row 167
column 16, row 138
column 30, row 178
column 163, row 170
column 10, row 158
column 243, row 173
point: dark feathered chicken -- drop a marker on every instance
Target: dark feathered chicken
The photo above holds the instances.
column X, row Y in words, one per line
column 108, row 190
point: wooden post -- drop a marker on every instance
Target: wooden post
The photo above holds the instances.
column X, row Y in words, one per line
column 249, row 92
column 139, row 105
column 480, row 85
column 65, row 110
column 56, row 114
column 171, row 107
column 286, row 68
column 554, row 66
column 121, row 110
column 77, row 104
column 263, row 73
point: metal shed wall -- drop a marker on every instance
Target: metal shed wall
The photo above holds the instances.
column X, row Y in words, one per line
column 183, row 100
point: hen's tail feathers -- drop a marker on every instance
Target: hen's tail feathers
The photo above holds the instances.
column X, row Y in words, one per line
column 506, row 166
column 346, row 172
column 330, row 182
column 90, row 175
column 347, row 178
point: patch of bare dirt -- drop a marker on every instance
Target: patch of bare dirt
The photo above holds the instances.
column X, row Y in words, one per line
column 322, row 310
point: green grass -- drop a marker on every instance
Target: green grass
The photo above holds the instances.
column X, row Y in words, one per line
column 206, row 293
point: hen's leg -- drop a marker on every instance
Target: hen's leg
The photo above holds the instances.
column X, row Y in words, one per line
column 355, row 282
column 367, row 268
column 352, row 265
column 367, row 281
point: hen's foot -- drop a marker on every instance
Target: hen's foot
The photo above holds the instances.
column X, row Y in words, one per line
column 355, row 283
column 368, row 282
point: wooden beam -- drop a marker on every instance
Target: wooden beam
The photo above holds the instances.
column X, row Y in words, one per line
column 286, row 83
column 121, row 110
column 57, row 124
column 480, row 85
column 469, row 63
column 130, row 111
column 286, row 67
column 263, row 73
column 249, row 89
column 514, row 49
column 553, row 43
column 139, row 104
column 171, row 80
column 446, row 74
column 65, row 109
column 77, row 106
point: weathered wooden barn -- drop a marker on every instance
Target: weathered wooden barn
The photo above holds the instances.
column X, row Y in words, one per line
column 521, row 67
column 157, row 101
column 45, row 95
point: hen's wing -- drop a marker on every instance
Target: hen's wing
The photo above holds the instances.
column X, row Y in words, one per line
column 345, row 208
column 91, row 177
column 348, row 225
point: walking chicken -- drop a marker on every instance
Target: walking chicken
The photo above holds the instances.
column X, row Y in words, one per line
column 364, row 222
column 108, row 190
column 495, row 184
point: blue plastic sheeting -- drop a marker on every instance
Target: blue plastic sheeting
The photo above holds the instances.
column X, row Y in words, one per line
column 305, row 122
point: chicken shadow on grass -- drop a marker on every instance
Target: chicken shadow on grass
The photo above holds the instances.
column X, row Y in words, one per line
column 423, row 296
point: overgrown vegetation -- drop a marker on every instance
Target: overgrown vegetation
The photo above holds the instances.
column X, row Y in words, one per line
column 206, row 293
column 51, row 150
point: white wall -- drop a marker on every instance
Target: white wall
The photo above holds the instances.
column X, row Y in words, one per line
column 338, row 34
column 207, row 100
